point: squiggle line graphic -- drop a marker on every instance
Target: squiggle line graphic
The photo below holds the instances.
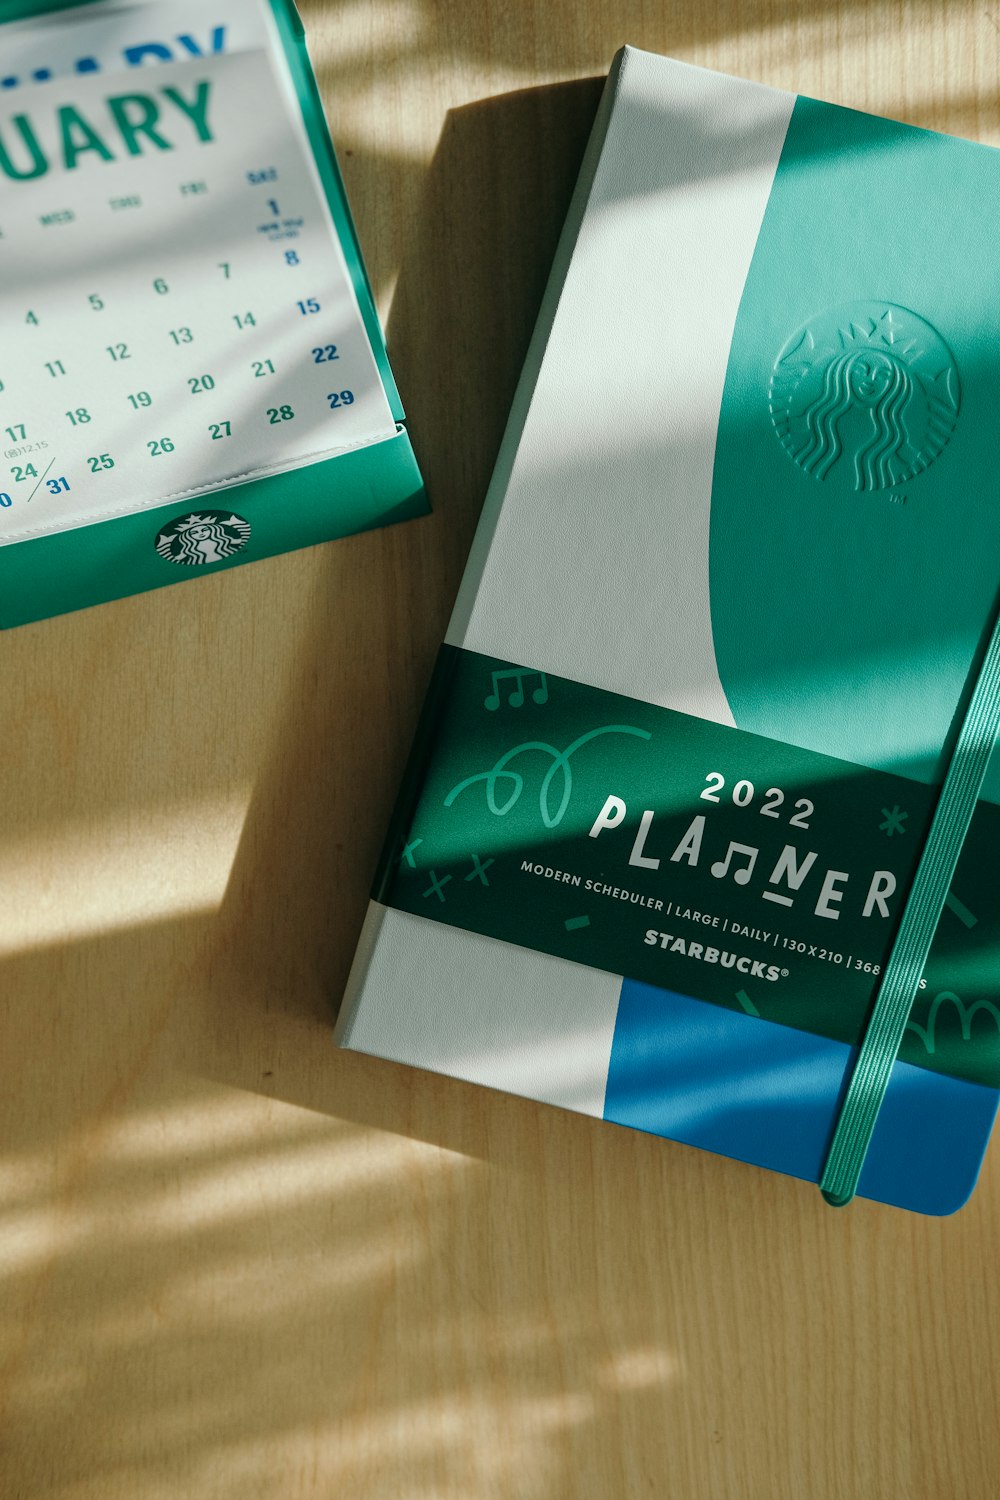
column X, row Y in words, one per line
column 965, row 1015
column 560, row 762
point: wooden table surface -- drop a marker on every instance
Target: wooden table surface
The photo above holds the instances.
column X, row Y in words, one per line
column 237, row 1264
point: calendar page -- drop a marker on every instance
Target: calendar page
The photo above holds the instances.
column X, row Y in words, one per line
column 176, row 308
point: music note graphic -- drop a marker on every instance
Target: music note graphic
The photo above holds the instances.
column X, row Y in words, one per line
column 516, row 699
column 742, row 877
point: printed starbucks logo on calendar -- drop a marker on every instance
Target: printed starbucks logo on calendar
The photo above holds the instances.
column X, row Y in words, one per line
column 204, row 536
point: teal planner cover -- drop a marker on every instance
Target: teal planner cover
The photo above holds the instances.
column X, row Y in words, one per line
column 735, row 573
column 193, row 375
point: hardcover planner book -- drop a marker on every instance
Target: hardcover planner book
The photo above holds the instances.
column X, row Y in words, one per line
column 733, row 581
column 193, row 374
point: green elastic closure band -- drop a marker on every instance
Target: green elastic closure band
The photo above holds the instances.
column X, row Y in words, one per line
column 896, row 993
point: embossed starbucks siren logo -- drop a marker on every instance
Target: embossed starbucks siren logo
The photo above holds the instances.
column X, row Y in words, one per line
column 204, row 536
column 866, row 394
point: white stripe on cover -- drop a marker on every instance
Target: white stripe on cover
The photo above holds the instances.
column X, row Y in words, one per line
column 475, row 1008
column 596, row 567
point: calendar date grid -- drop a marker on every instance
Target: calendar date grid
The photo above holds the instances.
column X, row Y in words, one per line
column 163, row 367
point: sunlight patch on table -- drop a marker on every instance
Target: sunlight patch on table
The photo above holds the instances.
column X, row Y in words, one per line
column 142, row 866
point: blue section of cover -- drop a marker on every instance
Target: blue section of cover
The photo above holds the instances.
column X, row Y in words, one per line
column 769, row 1095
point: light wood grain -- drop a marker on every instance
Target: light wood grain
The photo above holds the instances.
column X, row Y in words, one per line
column 236, row 1264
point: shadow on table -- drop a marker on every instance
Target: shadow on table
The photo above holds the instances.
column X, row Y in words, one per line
column 468, row 293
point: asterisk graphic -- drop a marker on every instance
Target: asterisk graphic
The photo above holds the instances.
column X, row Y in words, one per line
column 894, row 820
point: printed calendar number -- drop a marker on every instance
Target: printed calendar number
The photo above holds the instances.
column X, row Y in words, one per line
column 118, row 352
column 159, row 446
column 55, row 368
column 17, row 432
column 140, row 398
column 324, row 354
column 21, row 474
column 220, row 430
column 277, row 414
column 262, row 367
column 79, row 417
column 245, row 320
column 182, row 335
column 338, row 399
column 308, row 307
column 200, row 383
column 96, row 302
column 5, row 501
column 101, row 461
column 56, row 486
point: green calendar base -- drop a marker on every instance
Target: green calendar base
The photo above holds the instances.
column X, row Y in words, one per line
column 71, row 570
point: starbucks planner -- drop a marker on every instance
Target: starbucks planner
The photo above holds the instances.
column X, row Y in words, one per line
column 192, row 374
column 718, row 647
